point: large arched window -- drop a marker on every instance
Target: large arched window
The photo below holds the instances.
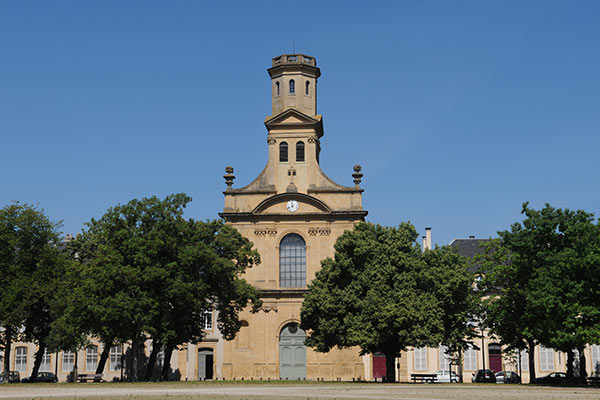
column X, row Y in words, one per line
column 292, row 261
column 283, row 152
column 300, row 151
column 293, row 86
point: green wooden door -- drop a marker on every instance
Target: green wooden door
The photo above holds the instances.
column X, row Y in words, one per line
column 292, row 353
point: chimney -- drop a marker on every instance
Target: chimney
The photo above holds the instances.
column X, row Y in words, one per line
column 424, row 243
column 428, row 238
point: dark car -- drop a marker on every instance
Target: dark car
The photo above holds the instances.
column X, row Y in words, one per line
column 553, row 378
column 483, row 376
column 41, row 377
column 507, row 377
column 13, row 377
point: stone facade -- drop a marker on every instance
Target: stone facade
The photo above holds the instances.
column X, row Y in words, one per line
column 291, row 196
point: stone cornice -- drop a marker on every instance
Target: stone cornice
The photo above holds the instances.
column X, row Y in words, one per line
column 350, row 215
column 276, row 293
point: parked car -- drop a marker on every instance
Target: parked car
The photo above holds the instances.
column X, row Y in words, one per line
column 41, row 377
column 13, row 377
column 553, row 378
column 446, row 376
column 483, row 376
column 507, row 377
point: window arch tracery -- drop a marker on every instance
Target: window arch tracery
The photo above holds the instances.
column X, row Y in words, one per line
column 300, row 151
column 283, row 152
column 292, row 261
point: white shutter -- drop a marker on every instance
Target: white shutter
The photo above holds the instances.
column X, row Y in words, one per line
column 444, row 360
column 596, row 359
column 470, row 360
column 420, row 358
column 546, row 359
column 524, row 360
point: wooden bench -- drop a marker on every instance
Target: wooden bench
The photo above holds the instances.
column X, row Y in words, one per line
column 423, row 378
column 89, row 378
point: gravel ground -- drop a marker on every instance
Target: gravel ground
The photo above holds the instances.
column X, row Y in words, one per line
column 226, row 391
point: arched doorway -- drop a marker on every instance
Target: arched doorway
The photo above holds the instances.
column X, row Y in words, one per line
column 205, row 364
column 495, row 354
column 292, row 353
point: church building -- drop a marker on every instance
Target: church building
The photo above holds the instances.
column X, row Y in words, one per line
column 293, row 213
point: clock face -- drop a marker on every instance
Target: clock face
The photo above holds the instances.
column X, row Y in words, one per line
column 292, row 205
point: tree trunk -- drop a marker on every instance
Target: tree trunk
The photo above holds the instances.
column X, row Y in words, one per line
column 570, row 360
column 582, row 368
column 167, row 363
column 390, row 368
column 38, row 361
column 133, row 359
column 152, row 359
column 106, row 345
column 531, row 356
column 75, row 370
column 460, row 367
column 8, row 336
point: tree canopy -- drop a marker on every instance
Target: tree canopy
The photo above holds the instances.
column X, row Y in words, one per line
column 147, row 272
column 382, row 294
column 547, row 271
column 31, row 267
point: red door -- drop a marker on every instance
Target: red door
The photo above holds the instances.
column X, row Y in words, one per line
column 495, row 352
column 378, row 366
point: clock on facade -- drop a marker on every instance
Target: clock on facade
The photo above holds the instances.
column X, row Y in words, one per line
column 292, row 205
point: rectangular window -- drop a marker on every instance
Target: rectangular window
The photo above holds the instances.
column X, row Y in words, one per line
column 91, row 358
column 546, row 359
column 21, row 359
column 444, row 359
column 115, row 358
column 524, row 360
column 68, row 360
column 208, row 322
column 46, row 360
column 420, row 358
column 595, row 359
column 470, row 360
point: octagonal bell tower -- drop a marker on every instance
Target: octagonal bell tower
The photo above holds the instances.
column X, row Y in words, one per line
column 294, row 83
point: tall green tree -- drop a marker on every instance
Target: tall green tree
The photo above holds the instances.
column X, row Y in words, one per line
column 147, row 272
column 381, row 294
column 546, row 269
column 31, row 266
column 453, row 284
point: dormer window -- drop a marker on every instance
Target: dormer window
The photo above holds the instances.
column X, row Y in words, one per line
column 300, row 152
column 292, row 86
column 307, row 88
column 277, row 88
column 283, row 152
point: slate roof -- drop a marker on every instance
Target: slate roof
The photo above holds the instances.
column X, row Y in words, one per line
column 469, row 248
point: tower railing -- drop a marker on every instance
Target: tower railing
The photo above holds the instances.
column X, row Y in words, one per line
column 288, row 59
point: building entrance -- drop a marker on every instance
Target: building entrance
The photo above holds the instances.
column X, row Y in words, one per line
column 205, row 364
column 495, row 352
column 292, row 353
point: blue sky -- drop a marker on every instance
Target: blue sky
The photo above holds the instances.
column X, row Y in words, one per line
column 458, row 111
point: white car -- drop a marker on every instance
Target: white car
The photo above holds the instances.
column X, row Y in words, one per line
column 446, row 376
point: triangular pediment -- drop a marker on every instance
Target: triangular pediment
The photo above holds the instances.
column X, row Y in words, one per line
column 292, row 116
